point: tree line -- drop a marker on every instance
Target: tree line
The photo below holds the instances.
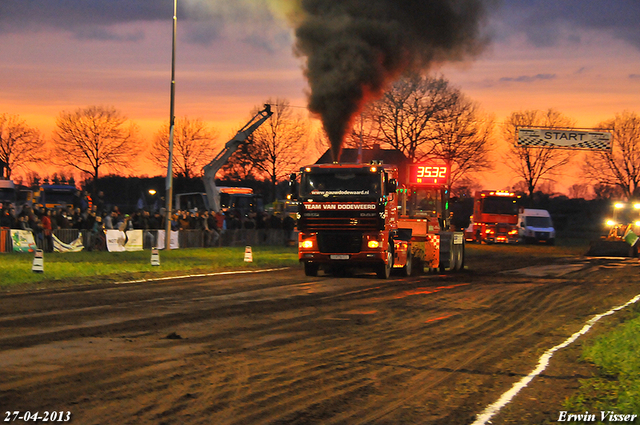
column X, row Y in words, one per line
column 424, row 116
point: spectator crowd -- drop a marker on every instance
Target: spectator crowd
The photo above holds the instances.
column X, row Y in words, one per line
column 93, row 218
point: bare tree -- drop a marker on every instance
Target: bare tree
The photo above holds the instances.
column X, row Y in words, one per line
column 621, row 166
column 533, row 164
column 277, row 146
column 19, row 144
column 579, row 190
column 94, row 138
column 241, row 165
column 365, row 132
column 405, row 115
column 192, row 147
column 461, row 137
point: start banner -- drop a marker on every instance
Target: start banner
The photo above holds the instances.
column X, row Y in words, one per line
column 566, row 139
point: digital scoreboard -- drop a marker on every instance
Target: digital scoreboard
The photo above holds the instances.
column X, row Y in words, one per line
column 429, row 174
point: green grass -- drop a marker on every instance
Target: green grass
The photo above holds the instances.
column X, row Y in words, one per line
column 99, row 267
column 617, row 384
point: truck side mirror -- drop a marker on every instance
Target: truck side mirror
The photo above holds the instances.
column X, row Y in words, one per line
column 392, row 185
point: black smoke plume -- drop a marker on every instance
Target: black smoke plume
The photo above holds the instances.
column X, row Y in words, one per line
column 353, row 48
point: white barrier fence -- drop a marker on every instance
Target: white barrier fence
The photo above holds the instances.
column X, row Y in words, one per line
column 71, row 240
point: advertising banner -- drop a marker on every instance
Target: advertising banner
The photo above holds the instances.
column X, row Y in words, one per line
column 119, row 241
column 22, row 241
column 173, row 242
column 75, row 246
column 134, row 240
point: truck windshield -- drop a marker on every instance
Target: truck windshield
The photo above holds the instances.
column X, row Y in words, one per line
column 426, row 202
column 341, row 184
column 7, row 195
column 500, row 206
column 541, row 222
column 58, row 196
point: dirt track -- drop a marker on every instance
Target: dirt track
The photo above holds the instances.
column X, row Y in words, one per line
column 281, row 348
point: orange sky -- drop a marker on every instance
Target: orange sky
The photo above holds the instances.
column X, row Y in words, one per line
column 587, row 72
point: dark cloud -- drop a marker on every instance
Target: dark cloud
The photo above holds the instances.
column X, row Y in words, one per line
column 546, row 22
column 200, row 21
column 528, row 78
column 69, row 14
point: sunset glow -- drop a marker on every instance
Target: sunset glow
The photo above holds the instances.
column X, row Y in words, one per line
column 61, row 56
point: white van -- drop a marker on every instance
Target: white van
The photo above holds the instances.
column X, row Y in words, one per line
column 535, row 226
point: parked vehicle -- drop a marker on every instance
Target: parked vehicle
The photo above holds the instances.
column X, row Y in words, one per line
column 8, row 193
column 55, row 195
column 495, row 216
column 622, row 229
column 535, row 225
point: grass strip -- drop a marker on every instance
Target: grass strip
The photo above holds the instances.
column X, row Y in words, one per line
column 616, row 386
column 61, row 269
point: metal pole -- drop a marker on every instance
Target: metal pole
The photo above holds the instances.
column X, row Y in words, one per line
column 169, row 187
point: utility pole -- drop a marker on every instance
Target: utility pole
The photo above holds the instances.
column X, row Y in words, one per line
column 169, row 187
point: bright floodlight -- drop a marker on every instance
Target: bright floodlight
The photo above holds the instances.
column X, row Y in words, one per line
column 610, row 223
column 619, row 205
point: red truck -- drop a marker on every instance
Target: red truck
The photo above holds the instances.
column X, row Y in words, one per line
column 348, row 216
column 354, row 215
column 495, row 217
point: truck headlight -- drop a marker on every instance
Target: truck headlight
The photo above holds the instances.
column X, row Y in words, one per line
column 373, row 244
column 611, row 223
column 306, row 244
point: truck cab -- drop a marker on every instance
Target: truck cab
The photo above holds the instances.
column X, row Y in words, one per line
column 8, row 193
column 495, row 217
column 348, row 216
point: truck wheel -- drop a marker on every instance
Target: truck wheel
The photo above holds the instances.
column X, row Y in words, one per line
column 408, row 267
column 452, row 262
column 459, row 257
column 384, row 270
column 310, row 269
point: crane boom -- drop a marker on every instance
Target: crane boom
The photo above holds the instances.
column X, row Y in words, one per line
column 210, row 170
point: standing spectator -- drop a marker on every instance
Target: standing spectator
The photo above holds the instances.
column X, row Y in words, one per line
column 6, row 219
column 47, row 231
column 288, row 224
column 77, row 220
column 110, row 220
column 98, row 241
column 85, row 203
column 77, row 200
column 100, row 203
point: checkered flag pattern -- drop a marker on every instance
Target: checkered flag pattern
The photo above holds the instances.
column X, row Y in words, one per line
column 435, row 240
column 563, row 139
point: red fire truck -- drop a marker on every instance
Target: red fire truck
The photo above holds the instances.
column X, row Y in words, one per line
column 495, row 217
column 353, row 215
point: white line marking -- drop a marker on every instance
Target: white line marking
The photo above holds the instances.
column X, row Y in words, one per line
column 506, row 398
column 200, row 275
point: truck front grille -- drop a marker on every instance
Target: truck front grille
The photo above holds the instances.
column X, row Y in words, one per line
column 340, row 242
column 316, row 224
